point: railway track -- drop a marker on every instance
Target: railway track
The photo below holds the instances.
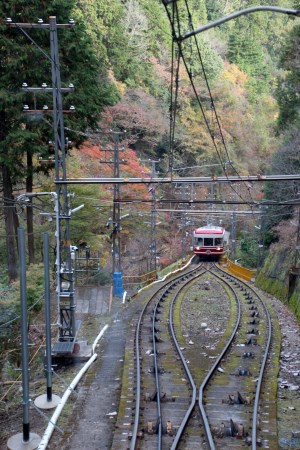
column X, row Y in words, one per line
column 197, row 389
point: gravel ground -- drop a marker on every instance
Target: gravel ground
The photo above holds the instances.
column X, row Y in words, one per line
column 288, row 404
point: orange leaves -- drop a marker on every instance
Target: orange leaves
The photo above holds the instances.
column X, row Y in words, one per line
column 98, row 162
column 89, row 149
column 233, row 74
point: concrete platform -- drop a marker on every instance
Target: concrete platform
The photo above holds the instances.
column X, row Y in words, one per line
column 92, row 300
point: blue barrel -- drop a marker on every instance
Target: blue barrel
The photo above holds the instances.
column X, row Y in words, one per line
column 118, row 284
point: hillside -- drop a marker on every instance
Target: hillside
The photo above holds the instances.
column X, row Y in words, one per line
column 220, row 104
column 280, row 274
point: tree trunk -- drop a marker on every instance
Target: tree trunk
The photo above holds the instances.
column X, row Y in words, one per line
column 10, row 224
column 29, row 210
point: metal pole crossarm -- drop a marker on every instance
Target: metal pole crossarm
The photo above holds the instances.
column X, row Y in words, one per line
column 46, row 89
column 47, row 110
column 22, row 197
column 12, row 24
column 221, row 179
column 196, row 212
column 242, row 12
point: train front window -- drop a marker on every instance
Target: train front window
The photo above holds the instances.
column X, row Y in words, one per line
column 199, row 241
column 208, row 242
column 218, row 241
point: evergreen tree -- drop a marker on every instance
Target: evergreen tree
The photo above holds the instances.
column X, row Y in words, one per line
column 246, row 51
column 215, row 10
column 285, row 161
column 288, row 91
column 23, row 60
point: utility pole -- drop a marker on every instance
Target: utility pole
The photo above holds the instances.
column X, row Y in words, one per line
column 64, row 270
column 261, row 237
column 192, row 217
column 116, row 219
column 153, row 223
column 183, row 223
column 26, row 439
column 153, row 220
column 212, row 198
column 233, row 234
column 233, row 226
column 297, row 248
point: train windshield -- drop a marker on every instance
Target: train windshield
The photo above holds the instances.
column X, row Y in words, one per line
column 208, row 242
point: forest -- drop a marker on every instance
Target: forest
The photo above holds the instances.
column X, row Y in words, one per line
column 225, row 101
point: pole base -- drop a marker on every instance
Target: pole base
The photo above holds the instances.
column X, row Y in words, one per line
column 43, row 403
column 16, row 442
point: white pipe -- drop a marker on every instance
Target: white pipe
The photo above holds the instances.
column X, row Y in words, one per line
column 98, row 338
column 49, row 430
column 124, row 296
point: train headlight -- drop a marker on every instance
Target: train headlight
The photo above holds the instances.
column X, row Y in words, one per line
column 218, row 249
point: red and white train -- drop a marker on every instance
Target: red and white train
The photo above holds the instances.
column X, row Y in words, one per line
column 210, row 241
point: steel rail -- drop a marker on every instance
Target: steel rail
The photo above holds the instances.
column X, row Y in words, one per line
column 164, row 289
column 159, row 415
column 186, row 368
column 210, row 440
column 215, row 366
column 184, row 422
column 138, row 371
column 263, row 364
column 260, row 378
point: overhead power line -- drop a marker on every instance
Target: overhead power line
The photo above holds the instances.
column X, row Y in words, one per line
column 169, row 180
column 176, row 33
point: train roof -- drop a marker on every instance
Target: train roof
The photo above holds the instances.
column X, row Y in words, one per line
column 210, row 229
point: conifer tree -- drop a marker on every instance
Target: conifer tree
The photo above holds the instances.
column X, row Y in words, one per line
column 24, row 58
column 288, row 95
